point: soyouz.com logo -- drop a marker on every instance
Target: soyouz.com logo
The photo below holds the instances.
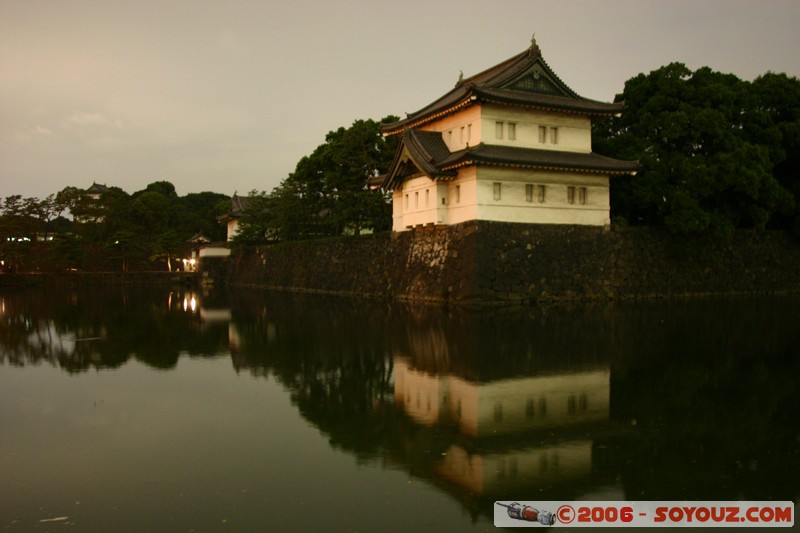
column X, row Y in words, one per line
column 644, row 514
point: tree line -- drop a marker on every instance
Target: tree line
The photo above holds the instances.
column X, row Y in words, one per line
column 717, row 153
column 146, row 230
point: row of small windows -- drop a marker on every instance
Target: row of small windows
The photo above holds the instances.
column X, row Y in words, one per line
column 552, row 138
column 505, row 130
column 538, row 409
column 509, row 129
column 416, row 199
column 427, row 198
column 547, row 134
column 509, row 468
column 538, row 192
column 465, row 133
column 533, row 408
column 533, row 193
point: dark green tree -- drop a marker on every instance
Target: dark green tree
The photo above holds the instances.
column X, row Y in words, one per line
column 356, row 154
column 163, row 187
column 704, row 167
column 777, row 122
column 256, row 223
column 19, row 223
column 199, row 212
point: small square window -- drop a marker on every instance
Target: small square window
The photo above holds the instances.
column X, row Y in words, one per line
column 540, row 190
column 469, row 132
column 462, row 135
column 542, row 134
column 427, row 197
column 529, row 193
column 458, row 194
column 571, row 195
column 497, row 191
column 553, row 135
column 512, row 131
column 416, row 199
column 498, row 130
column 582, row 195
column 406, row 201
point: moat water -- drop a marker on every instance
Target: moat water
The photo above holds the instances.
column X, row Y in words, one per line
column 130, row 409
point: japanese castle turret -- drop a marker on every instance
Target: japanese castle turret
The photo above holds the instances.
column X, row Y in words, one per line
column 510, row 144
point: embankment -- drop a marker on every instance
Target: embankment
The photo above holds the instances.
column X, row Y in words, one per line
column 490, row 262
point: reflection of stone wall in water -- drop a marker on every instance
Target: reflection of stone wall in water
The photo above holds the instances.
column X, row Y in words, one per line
column 496, row 262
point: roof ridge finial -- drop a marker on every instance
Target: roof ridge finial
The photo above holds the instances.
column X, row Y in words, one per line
column 534, row 49
column 460, row 76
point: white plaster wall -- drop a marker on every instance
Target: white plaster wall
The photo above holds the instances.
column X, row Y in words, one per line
column 427, row 204
column 464, row 208
column 233, row 228
column 513, row 206
column 501, row 407
column 476, row 199
column 214, row 251
column 574, row 132
column 420, row 394
column 450, row 127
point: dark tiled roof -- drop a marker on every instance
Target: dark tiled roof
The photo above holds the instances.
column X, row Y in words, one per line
column 425, row 153
column 96, row 188
column 534, row 158
column 548, row 101
column 427, row 145
column 199, row 238
column 525, row 80
column 239, row 204
column 418, row 152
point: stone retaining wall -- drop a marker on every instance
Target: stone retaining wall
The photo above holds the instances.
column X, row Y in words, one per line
column 490, row 262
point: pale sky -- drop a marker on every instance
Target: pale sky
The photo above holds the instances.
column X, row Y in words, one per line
column 227, row 96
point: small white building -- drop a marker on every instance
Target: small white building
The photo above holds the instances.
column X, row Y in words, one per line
column 231, row 219
column 511, row 144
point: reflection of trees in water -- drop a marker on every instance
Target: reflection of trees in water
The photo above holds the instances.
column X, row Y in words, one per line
column 329, row 353
column 102, row 327
column 710, row 385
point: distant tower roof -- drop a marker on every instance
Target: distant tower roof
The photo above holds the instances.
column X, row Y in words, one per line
column 96, row 188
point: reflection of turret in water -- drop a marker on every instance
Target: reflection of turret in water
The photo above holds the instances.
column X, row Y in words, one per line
column 500, row 420
column 503, row 406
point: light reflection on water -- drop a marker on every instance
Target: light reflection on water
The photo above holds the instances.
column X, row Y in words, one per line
column 150, row 410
